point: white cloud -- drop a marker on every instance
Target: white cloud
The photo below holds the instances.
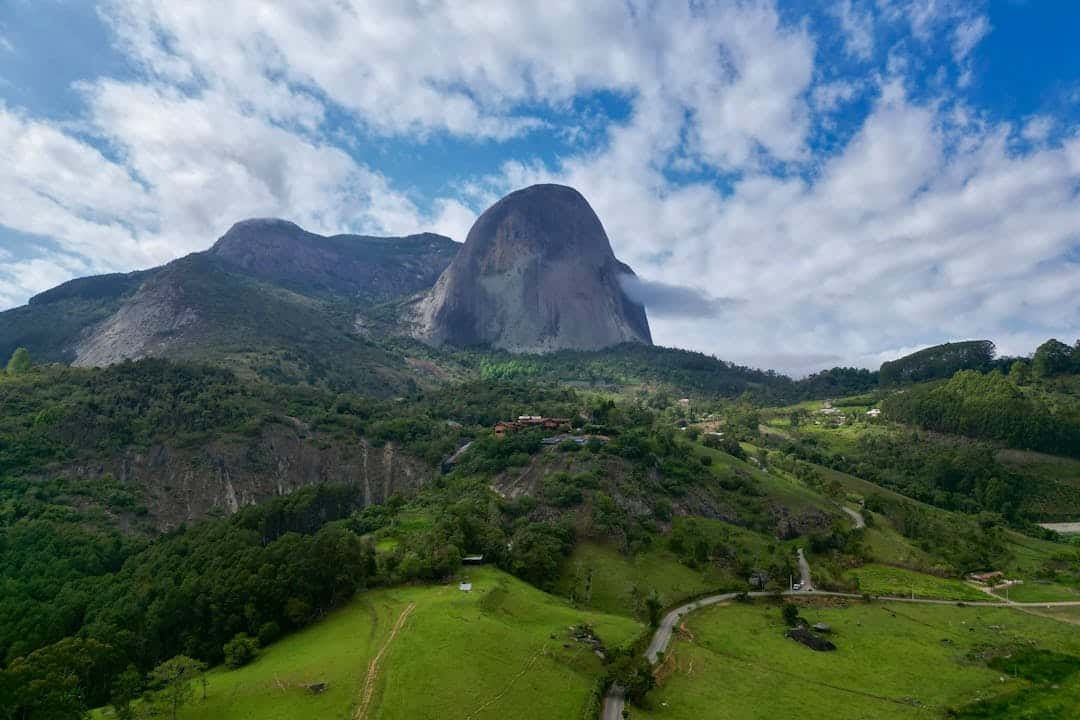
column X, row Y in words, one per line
column 1037, row 129
column 967, row 35
column 829, row 96
column 926, row 224
column 902, row 240
column 186, row 169
column 858, row 28
column 24, row 278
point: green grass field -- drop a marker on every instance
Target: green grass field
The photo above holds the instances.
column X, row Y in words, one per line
column 885, row 580
column 1035, row 591
column 619, row 582
column 501, row 651
column 892, row 662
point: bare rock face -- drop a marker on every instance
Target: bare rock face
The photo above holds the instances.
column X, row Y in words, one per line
column 185, row 484
column 153, row 320
column 537, row 274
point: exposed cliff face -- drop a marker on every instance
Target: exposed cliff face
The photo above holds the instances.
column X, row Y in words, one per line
column 536, row 274
column 179, row 485
column 147, row 325
column 267, row 293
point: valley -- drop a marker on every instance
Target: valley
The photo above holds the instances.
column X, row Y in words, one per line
column 301, row 475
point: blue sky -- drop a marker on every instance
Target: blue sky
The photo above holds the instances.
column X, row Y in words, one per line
column 836, row 182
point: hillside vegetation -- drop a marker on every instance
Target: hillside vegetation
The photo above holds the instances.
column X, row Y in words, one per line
column 940, row 361
column 993, row 407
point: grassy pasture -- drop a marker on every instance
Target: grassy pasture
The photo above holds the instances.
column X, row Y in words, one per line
column 502, row 650
column 892, row 662
column 620, row 582
column 885, row 580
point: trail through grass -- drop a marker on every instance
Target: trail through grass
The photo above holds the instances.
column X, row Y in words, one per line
column 503, row 650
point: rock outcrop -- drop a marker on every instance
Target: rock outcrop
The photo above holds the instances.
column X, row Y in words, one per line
column 536, row 274
column 180, row 484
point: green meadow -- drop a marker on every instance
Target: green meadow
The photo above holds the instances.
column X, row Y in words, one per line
column 892, row 661
column 502, row 650
column 897, row 582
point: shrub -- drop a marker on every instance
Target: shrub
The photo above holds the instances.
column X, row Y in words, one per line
column 268, row 633
column 240, row 650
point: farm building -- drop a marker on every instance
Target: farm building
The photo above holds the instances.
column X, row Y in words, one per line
column 987, row 578
column 529, row 422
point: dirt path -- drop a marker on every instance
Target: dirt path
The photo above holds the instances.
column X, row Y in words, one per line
column 373, row 667
column 502, row 693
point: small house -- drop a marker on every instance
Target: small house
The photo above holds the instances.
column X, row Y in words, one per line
column 987, row 578
column 465, row 587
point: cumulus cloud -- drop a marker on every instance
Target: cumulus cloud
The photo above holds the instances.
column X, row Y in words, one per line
column 857, row 24
column 928, row 220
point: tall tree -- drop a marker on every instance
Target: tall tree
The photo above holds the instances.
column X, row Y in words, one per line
column 19, row 362
column 176, row 678
column 1052, row 358
column 125, row 688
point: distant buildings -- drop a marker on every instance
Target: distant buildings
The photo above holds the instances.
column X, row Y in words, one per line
column 529, row 422
column 873, row 412
column 987, row 578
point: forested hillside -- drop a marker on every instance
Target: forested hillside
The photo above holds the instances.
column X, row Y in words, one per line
column 993, row 407
column 940, row 361
column 681, row 371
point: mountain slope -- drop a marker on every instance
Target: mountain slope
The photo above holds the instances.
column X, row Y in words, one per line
column 269, row 299
column 536, row 274
column 366, row 269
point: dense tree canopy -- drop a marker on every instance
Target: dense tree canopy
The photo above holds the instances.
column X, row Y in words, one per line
column 990, row 407
column 940, row 361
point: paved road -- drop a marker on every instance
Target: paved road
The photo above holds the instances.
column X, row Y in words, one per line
column 614, row 702
column 662, row 636
column 615, row 699
column 1065, row 528
column 804, row 572
column 855, row 515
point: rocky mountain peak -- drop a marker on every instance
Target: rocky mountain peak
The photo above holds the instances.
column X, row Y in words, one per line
column 536, row 274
